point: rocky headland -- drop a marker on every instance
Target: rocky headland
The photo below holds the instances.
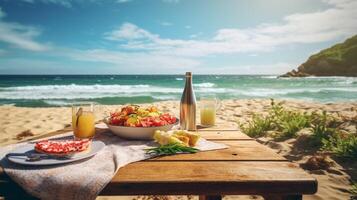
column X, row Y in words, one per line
column 338, row 60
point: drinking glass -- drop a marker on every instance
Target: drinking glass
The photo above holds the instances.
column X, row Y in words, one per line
column 208, row 108
column 83, row 120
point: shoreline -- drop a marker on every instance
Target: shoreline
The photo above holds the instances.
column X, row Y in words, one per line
column 59, row 91
column 309, row 101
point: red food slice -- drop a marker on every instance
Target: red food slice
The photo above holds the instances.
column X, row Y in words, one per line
column 61, row 147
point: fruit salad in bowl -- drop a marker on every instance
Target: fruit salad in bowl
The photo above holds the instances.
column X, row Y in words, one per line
column 135, row 122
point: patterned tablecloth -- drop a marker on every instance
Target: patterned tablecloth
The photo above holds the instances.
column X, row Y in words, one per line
column 82, row 179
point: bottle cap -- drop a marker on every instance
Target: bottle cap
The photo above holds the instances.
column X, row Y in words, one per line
column 188, row 73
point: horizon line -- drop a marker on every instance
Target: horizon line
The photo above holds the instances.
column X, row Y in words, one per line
column 129, row 74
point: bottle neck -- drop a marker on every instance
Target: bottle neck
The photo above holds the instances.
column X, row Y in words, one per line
column 188, row 95
column 188, row 81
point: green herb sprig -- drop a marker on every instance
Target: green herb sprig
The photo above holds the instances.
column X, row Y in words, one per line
column 170, row 149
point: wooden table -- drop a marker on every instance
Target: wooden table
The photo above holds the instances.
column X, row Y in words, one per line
column 245, row 168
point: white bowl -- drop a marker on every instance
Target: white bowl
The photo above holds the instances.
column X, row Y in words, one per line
column 138, row 133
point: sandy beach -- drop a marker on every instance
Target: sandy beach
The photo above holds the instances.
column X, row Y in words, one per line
column 22, row 123
column 285, row 73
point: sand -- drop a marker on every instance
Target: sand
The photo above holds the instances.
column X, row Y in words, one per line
column 334, row 183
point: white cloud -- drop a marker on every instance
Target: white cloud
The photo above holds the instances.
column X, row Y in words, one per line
column 33, row 66
column 271, row 69
column 152, row 53
column 123, row 1
column 187, row 27
column 166, row 23
column 29, row 1
column 2, row 14
column 196, row 35
column 129, row 31
column 337, row 3
column 69, row 3
column 2, row 52
column 147, row 62
column 171, row 1
column 19, row 35
column 65, row 3
column 337, row 22
column 193, row 36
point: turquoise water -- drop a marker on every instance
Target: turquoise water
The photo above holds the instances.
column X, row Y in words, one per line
column 60, row 90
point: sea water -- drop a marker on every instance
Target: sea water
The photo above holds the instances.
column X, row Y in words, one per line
column 63, row 90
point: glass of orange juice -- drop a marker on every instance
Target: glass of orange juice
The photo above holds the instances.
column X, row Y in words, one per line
column 83, row 120
column 208, row 108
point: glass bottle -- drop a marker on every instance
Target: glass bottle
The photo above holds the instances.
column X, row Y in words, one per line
column 188, row 105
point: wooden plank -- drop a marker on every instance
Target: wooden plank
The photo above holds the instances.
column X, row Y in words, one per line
column 211, row 178
column 223, row 135
column 239, row 150
column 210, row 197
column 283, row 197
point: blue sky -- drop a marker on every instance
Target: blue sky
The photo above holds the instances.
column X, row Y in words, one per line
column 168, row 36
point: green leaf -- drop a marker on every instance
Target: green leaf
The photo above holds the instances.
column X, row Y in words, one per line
column 170, row 149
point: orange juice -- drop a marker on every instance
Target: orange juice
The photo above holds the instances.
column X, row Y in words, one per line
column 84, row 127
column 208, row 116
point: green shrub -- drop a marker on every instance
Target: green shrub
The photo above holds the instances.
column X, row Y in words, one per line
column 331, row 139
column 257, row 127
column 286, row 122
column 341, row 145
column 354, row 189
column 292, row 123
column 321, row 127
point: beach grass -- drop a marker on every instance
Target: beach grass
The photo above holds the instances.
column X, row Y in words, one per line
column 354, row 189
column 258, row 126
column 341, row 145
column 282, row 123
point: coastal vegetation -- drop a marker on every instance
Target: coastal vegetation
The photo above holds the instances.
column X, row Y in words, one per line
column 354, row 189
column 324, row 131
column 338, row 60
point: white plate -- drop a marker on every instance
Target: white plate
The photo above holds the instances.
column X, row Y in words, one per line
column 138, row 133
column 94, row 148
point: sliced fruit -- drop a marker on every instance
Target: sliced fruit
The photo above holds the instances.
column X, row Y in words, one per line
column 172, row 137
column 164, row 138
column 184, row 139
column 193, row 137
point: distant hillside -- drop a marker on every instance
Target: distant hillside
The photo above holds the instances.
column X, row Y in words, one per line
column 338, row 60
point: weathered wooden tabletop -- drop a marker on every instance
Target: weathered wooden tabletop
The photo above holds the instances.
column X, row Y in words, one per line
column 245, row 168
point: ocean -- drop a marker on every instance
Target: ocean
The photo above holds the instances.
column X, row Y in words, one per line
column 63, row 90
